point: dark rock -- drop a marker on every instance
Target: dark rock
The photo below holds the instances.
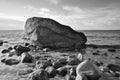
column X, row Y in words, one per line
column 57, row 65
column 105, row 54
column 112, row 50
column 98, row 63
column 51, row 71
column 25, row 71
column 3, row 60
column 95, row 53
column 88, row 68
column 114, row 67
column 1, row 42
column 26, row 44
column 5, row 51
column 63, row 61
column 10, row 48
column 38, row 75
column 117, row 57
column 21, row 49
column 26, row 58
column 11, row 61
column 73, row 61
column 49, row 33
column 62, row 71
column 43, row 64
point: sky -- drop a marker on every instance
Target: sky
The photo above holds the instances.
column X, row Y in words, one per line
column 79, row 14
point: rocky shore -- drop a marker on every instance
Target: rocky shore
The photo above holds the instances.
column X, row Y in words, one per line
column 54, row 58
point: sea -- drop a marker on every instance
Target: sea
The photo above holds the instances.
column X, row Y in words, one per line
column 97, row 37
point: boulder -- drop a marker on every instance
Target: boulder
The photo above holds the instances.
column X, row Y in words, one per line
column 11, row 61
column 26, row 58
column 88, row 68
column 50, row 33
column 39, row 74
column 51, row 71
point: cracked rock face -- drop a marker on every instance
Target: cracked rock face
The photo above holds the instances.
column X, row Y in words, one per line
column 49, row 33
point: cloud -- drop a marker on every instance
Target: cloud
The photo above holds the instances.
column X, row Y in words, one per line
column 18, row 18
column 54, row 1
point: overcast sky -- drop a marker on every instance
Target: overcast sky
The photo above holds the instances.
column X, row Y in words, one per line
column 79, row 14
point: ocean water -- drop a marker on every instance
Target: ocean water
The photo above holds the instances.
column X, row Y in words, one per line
column 98, row 37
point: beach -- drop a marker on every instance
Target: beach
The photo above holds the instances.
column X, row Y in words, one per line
column 102, row 46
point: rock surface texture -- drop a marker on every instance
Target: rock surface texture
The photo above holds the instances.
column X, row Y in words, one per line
column 49, row 33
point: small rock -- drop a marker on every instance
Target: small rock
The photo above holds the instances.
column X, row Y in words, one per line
column 24, row 71
column 98, row 63
column 105, row 54
column 51, row 71
column 117, row 57
column 80, row 57
column 1, row 42
column 95, row 53
column 26, row 44
column 26, row 58
column 69, row 77
column 112, row 50
column 11, row 61
column 10, row 48
column 62, row 71
column 43, row 64
column 5, row 51
column 39, row 74
column 21, row 49
column 114, row 67
column 11, row 54
column 57, row 65
column 73, row 71
column 46, row 49
column 105, row 69
column 3, row 60
column 63, row 61
column 73, row 61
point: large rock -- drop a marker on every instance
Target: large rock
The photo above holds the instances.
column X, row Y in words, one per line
column 49, row 33
column 88, row 68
